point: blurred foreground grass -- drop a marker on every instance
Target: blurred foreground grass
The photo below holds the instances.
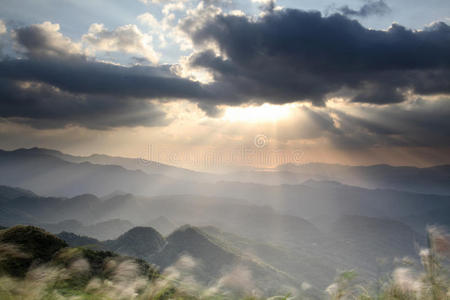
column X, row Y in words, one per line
column 36, row 265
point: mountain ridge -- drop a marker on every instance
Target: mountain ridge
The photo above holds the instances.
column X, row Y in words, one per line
column 427, row 180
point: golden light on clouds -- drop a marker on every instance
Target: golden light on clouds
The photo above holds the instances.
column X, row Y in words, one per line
column 258, row 114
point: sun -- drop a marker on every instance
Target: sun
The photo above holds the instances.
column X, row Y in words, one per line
column 258, row 114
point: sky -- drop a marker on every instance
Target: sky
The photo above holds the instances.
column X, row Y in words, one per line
column 228, row 84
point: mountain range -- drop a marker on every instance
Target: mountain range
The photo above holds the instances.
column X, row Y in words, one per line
column 277, row 234
column 46, row 174
column 430, row 180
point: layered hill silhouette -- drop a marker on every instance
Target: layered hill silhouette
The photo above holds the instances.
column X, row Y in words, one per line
column 296, row 200
column 108, row 218
column 429, row 180
column 129, row 174
column 49, row 175
column 38, row 265
column 144, row 164
column 353, row 242
column 275, row 233
column 61, row 214
column 189, row 250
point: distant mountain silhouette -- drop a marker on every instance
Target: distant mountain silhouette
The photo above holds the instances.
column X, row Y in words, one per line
column 49, row 175
column 163, row 225
column 420, row 221
column 133, row 175
column 431, row 180
column 272, row 213
column 144, row 164
column 9, row 193
column 374, row 237
column 105, row 230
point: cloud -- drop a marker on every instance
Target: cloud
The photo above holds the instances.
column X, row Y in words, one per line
column 415, row 123
column 160, row 29
column 149, row 20
column 293, row 55
column 284, row 56
column 44, row 40
column 377, row 8
column 82, row 76
column 127, row 39
column 160, row 1
column 418, row 122
column 169, row 7
column 266, row 5
column 3, row 36
column 44, row 106
column 3, row 29
column 57, row 85
column 52, row 61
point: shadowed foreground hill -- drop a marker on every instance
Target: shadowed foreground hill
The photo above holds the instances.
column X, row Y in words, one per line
column 198, row 255
column 32, row 244
column 42, row 260
column 37, row 265
column 140, row 242
column 74, row 240
column 191, row 241
column 28, row 246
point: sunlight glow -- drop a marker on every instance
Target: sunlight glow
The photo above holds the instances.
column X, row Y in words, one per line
column 258, row 114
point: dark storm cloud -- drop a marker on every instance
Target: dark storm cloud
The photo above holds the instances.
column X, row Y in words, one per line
column 78, row 75
column 421, row 123
column 44, row 106
column 285, row 56
column 54, row 59
column 378, row 8
column 56, row 85
column 88, row 93
column 416, row 123
column 293, row 55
